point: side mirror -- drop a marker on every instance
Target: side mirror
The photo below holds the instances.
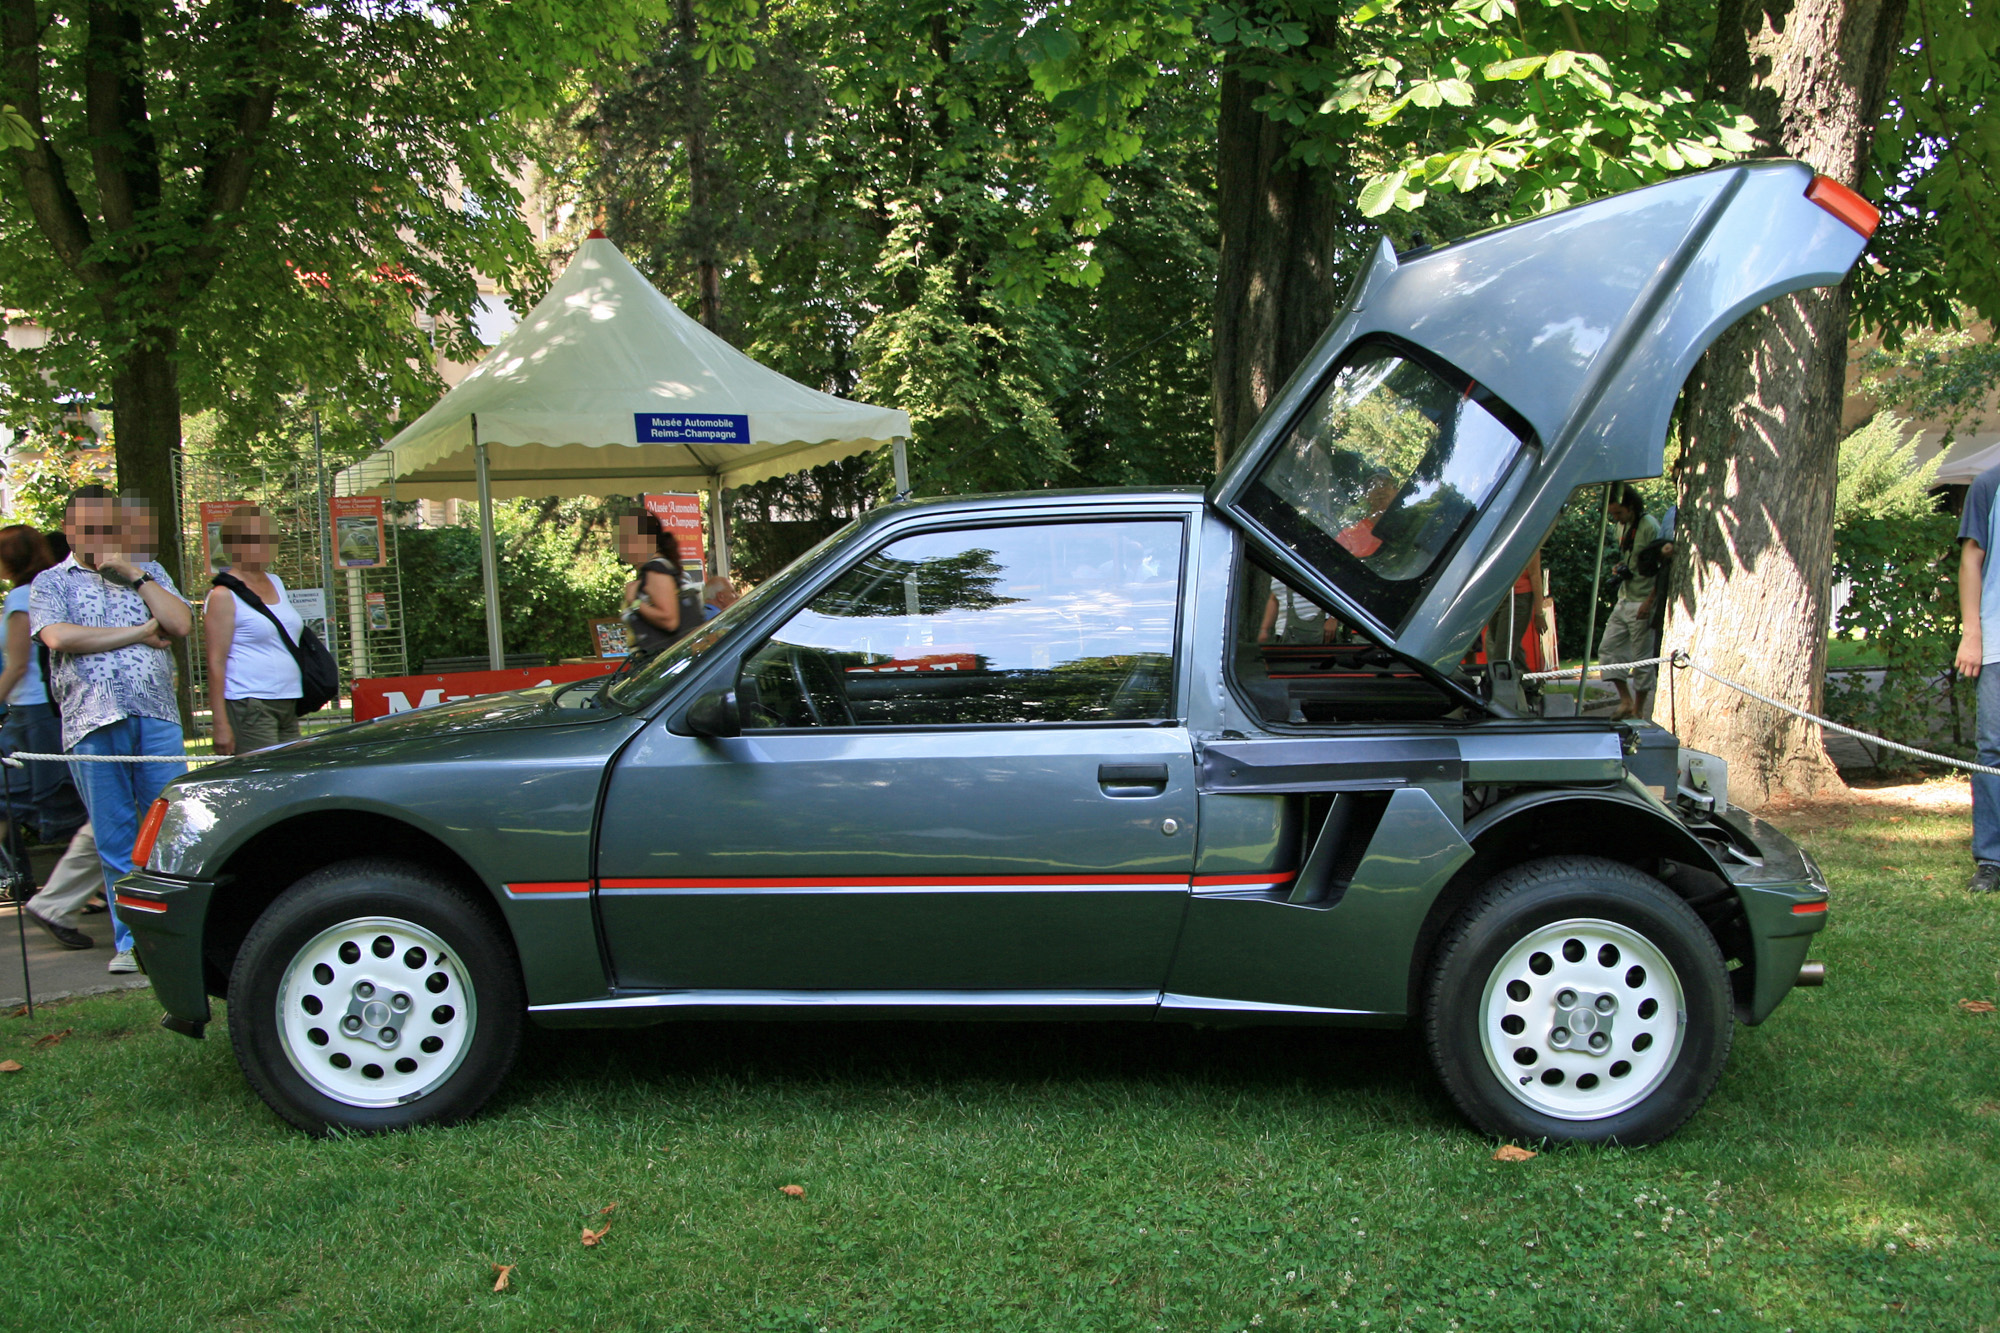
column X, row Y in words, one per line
column 715, row 714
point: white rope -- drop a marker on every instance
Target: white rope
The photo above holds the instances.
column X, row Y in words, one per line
column 1681, row 659
column 1900, row 748
column 15, row 759
column 1599, row 669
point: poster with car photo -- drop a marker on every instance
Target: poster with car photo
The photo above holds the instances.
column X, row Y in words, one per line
column 357, row 532
column 212, row 514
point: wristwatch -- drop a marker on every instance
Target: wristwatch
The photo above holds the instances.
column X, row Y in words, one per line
column 144, row 577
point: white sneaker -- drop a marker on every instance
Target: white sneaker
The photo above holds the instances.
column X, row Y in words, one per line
column 123, row 961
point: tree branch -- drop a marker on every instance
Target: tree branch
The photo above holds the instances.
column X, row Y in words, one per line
column 44, row 181
column 122, row 147
column 255, row 30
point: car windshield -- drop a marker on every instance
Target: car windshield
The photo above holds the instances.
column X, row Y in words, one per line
column 650, row 680
column 1382, row 474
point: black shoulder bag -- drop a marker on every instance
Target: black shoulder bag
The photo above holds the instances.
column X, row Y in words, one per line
column 319, row 678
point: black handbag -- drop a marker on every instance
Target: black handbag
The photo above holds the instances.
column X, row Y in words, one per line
column 319, row 678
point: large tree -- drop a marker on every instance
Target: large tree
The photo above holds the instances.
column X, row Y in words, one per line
column 218, row 202
column 1761, row 421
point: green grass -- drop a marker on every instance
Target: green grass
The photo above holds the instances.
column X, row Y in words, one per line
column 1843, row 653
column 1846, row 1175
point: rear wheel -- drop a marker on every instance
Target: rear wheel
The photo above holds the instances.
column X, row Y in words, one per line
column 374, row 995
column 1576, row 999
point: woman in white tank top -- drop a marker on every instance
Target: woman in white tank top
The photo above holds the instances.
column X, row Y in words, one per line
column 253, row 679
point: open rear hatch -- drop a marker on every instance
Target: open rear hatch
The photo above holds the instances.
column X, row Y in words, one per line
column 1407, row 472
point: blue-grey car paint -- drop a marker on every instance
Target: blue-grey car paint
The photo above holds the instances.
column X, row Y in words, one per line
column 1607, row 307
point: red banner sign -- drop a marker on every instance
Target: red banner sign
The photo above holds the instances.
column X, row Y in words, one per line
column 682, row 515
column 400, row 694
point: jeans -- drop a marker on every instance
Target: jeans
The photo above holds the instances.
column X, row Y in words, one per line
column 50, row 802
column 1986, row 787
column 117, row 795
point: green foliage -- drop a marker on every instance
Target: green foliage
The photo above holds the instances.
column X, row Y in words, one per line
column 386, row 176
column 558, row 571
column 1903, row 572
column 1936, row 175
column 1879, row 473
column 1467, row 96
column 42, row 471
column 881, row 196
column 1943, row 375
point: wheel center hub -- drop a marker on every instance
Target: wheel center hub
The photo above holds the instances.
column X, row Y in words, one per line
column 375, row 1014
column 1583, row 1022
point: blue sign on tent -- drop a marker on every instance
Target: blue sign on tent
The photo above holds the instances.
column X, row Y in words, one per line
column 692, row 427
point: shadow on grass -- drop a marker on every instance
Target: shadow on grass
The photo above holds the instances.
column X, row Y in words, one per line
column 1138, row 1060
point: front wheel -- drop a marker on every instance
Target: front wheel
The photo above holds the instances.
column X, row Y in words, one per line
column 1576, row 999
column 374, row 995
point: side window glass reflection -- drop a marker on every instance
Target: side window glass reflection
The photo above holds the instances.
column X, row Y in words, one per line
column 1052, row 622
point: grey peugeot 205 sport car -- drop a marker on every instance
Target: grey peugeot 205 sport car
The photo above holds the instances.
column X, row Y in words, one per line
column 1208, row 757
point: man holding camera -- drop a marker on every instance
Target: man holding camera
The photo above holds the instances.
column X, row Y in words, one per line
column 1628, row 631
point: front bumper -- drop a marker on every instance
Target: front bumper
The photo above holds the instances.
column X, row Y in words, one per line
column 166, row 917
column 1785, row 903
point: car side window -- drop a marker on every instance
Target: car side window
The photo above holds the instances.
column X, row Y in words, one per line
column 1035, row 622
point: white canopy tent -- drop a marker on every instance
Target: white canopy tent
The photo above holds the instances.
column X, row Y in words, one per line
column 608, row 387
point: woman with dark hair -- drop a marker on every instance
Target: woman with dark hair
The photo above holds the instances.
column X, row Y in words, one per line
column 32, row 724
column 1628, row 631
column 660, row 610
column 47, row 799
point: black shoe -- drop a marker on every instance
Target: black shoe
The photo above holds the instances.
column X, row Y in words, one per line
column 64, row 935
column 1986, row 879
column 95, row 907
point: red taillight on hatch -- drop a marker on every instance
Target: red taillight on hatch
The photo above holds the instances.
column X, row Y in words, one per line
column 142, row 846
column 1844, row 204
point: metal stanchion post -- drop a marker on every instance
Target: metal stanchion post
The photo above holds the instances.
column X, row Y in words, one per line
column 20, row 874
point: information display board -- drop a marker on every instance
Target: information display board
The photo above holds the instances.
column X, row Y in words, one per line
column 383, row 695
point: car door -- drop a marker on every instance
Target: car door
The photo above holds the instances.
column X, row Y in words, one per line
column 1409, row 470
column 962, row 770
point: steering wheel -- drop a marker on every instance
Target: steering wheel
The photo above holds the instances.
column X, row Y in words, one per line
column 827, row 706
column 796, row 661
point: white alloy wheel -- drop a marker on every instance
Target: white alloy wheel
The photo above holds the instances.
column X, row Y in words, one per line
column 1582, row 1018
column 376, row 1011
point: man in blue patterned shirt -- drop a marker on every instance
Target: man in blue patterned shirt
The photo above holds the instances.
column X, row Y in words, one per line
column 107, row 614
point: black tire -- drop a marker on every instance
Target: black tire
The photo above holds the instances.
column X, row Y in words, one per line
column 1555, row 1089
column 419, row 913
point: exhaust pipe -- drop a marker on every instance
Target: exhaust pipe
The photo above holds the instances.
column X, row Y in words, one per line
column 1811, row 974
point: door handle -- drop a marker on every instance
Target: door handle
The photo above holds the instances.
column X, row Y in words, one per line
column 1132, row 779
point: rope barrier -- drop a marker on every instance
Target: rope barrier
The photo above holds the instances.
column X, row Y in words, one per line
column 1600, row 668
column 15, row 760
column 1679, row 659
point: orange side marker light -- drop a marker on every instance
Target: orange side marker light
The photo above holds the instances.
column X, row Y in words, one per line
column 1844, row 204
column 142, row 846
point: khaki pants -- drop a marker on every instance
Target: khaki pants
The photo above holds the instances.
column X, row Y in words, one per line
column 1628, row 637
column 78, row 875
column 261, row 723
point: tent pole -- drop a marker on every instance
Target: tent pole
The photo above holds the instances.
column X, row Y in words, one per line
column 900, row 452
column 718, row 526
column 489, row 564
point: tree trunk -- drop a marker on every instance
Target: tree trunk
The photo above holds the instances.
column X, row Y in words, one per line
column 1277, row 286
column 146, row 441
column 1762, row 415
column 702, row 225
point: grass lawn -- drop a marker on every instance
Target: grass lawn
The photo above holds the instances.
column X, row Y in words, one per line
column 1843, row 652
column 1846, row 1176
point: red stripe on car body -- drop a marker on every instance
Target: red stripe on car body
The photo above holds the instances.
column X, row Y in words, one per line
column 885, row 881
